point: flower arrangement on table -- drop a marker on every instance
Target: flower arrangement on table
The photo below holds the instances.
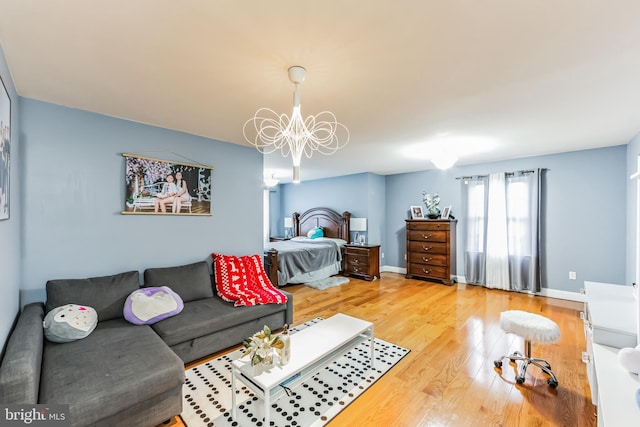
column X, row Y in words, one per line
column 261, row 345
column 432, row 204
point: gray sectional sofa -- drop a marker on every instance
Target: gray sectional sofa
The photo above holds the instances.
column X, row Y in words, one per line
column 125, row 374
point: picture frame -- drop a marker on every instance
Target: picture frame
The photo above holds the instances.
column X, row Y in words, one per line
column 416, row 212
column 5, row 151
column 161, row 187
column 446, row 211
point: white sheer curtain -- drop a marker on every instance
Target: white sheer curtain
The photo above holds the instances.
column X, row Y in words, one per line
column 497, row 248
column 502, row 221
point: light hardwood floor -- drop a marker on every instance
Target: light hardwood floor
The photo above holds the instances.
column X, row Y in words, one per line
column 453, row 332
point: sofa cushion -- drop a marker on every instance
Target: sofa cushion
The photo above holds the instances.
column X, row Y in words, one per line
column 20, row 368
column 114, row 368
column 192, row 282
column 106, row 294
column 206, row 316
column 147, row 306
column 69, row 322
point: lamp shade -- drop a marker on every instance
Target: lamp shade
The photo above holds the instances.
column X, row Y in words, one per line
column 288, row 222
column 358, row 224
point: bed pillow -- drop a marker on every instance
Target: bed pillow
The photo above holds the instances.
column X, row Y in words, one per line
column 105, row 294
column 149, row 305
column 69, row 322
column 192, row 281
column 315, row 232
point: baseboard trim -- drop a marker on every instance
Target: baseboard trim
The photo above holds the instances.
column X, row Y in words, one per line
column 566, row 295
column 545, row 292
column 392, row 269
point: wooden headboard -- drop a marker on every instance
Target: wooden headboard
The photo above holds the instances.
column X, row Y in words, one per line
column 333, row 224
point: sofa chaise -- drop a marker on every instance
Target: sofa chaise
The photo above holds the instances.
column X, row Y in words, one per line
column 121, row 373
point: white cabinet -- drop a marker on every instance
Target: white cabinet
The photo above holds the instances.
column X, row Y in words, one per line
column 610, row 318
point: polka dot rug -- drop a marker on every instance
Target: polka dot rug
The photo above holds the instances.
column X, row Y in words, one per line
column 207, row 390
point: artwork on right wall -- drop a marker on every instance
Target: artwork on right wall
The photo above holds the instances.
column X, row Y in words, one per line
column 5, row 150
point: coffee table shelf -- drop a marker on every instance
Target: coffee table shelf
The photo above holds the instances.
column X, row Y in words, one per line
column 312, row 349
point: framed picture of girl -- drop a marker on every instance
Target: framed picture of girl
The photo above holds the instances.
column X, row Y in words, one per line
column 445, row 212
column 160, row 187
column 416, row 212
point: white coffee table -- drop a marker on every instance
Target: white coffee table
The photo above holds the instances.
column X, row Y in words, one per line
column 312, row 349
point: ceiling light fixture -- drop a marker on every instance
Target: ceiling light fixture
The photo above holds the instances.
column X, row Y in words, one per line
column 444, row 160
column 271, row 181
column 294, row 135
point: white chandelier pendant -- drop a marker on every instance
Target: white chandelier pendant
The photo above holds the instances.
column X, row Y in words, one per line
column 269, row 131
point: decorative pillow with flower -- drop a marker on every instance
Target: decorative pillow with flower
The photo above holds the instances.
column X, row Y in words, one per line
column 243, row 281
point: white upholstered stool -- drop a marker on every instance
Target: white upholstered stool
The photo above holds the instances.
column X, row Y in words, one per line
column 531, row 327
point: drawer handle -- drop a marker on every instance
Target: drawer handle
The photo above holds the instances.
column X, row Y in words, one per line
column 426, row 236
column 425, row 259
column 586, row 357
column 425, row 271
column 356, row 261
column 356, row 269
column 426, row 248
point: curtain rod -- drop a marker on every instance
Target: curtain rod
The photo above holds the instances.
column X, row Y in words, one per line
column 486, row 176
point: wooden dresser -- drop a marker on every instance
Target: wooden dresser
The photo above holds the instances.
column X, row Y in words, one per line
column 362, row 261
column 431, row 249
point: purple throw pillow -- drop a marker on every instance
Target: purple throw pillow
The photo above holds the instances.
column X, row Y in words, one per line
column 147, row 306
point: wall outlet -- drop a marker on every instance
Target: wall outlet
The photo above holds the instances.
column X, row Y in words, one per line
column 405, row 257
column 382, row 255
column 572, row 275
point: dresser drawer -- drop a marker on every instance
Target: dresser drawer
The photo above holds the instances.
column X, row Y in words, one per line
column 352, row 250
column 357, row 269
column 432, row 259
column 428, row 225
column 361, row 260
column 427, row 235
column 428, row 247
column 429, row 270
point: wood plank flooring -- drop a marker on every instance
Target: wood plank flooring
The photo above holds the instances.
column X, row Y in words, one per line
column 448, row 378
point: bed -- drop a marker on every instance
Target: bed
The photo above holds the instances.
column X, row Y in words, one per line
column 301, row 260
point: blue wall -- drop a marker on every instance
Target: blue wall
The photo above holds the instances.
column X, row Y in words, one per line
column 633, row 151
column 73, row 181
column 581, row 232
column 361, row 194
column 10, row 247
column 583, row 219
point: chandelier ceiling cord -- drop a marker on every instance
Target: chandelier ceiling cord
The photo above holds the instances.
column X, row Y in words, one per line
column 295, row 135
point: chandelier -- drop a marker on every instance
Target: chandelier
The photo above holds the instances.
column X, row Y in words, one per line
column 269, row 131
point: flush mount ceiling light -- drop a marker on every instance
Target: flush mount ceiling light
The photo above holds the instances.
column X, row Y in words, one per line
column 444, row 160
column 271, row 181
column 269, row 131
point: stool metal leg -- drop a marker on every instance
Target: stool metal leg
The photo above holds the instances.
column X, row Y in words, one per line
column 526, row 360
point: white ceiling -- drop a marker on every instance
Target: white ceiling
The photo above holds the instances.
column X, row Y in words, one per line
column 491, row 80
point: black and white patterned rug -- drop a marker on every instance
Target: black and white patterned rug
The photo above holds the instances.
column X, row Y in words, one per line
column 207, row 390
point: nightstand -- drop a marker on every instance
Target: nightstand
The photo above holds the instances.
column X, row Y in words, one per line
column 362, row 261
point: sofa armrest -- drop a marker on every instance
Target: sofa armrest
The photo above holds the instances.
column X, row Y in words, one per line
column 289, row 314
column 20, row 368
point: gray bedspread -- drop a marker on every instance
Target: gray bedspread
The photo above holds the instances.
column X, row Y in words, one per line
column 303, row 256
